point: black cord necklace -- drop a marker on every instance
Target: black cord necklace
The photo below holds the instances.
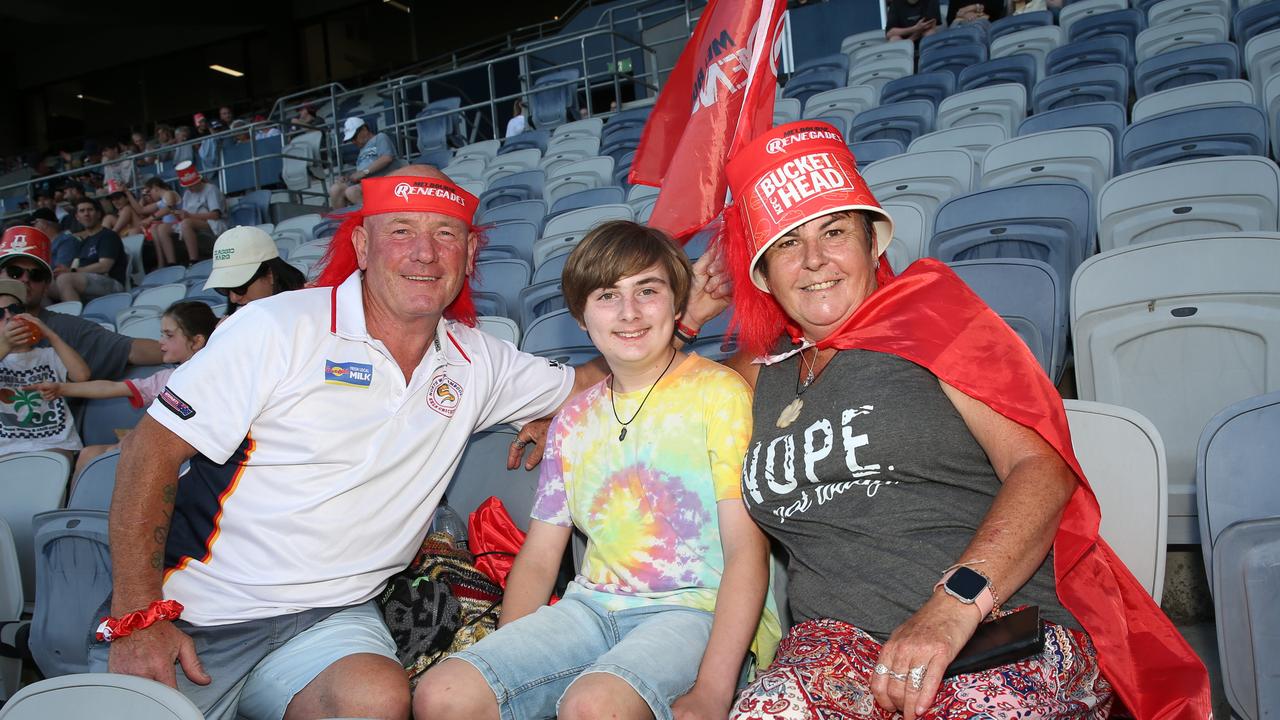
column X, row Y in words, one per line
column 622, row 435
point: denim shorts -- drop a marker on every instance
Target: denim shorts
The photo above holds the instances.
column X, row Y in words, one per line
column 530, row 663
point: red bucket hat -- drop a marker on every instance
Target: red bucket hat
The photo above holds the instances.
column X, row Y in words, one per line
column 188, row 175
column 26, row 241
column 791, row 175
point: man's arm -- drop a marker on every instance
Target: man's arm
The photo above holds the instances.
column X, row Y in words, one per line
column 141, row 509
column 533, row 574
column 103, row 266
column 145, row 352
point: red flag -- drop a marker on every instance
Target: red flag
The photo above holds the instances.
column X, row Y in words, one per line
column 718, row 97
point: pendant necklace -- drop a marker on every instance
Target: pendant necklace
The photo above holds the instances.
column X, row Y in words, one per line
column 623, row 435
column 791, row 412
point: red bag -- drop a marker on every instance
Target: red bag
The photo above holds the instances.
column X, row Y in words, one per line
column 494, row 539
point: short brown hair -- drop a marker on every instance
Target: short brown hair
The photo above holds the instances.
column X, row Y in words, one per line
column 616, row 249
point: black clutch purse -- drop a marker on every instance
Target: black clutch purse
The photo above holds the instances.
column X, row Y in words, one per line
column 1016, row 636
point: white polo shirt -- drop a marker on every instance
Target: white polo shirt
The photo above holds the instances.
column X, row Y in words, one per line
column 319, row 468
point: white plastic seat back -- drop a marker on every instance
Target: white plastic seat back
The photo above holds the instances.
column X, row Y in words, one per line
column 853, row 43
column 1271, row 104
column 1262, row 58
column 875, row 53
column 103, row 696
column 1082, row 155
column 1170, row 10
column 973, row 139
column 878, row 73
column 1086, row 8
column 586, row 218
column 924, row 179
column 485, row 150
column 161, row 296
column 466, row 168
column 1004, row 104
column 1246, row 582
column 573, row 177
column 908, row 234
column 1122, row 456
column 70, row 307
column 30, row 483
column 1188, row 97
column 501, row 327
column 11, row 601
column 786, row 110
column 1037, row 42
column 1194, row 197
column 509, row 164
column 1178, row 34
column 1178, row 330
column 844, row 103
column 587, row 127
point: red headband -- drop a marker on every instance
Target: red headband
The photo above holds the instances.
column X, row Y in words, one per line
column 405, row 193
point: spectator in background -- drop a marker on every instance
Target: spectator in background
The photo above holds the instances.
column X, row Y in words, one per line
column 307, row 118
column 912, row 19
column 122, row 172
column 247, row 267
column 138, row 147
column 99, row 267
column 517, row 124
column 183, row 153
column 990, row 10
column 65, row 245
column 200, row 217
column 72, row 193
column 24, row 256
column 201, row 123
column 163, row 139
column 376, row 156
column 264, row 131
column 126, row 221
column 241, row 125
column 157, row 204
column 226, row 116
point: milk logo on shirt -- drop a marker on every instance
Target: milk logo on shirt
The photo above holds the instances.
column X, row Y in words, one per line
column 798, row 180
column 443, row 395
column 350, row 374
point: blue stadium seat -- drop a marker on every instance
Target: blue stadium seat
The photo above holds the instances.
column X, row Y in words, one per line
column 504, row 278
column 627, row 121
column 530, row 211
column 1049, row 222
column 1098, row 83
column 270, row 168
column 1031, row 298
column 515, row 237
column 1019, row 68
column 1101, row 50
column 1014, row 23
column 528, row 139
column 902, row 121
column 622, row 168
column 239, row 177
column 959, row 35
column 952, row 58
column 607, row 195
column 1212, row 131
column 552, row 100
column 931, row 86
column 869, row 151
column 482, row 472
column 834, row 61
column 93, row 489
column 804, row 85
column 434, row 127
column 515, row 187
column 107, row 306
column 1184, row 66
column 101, row 418
column 557, row 336
column 1128, row 22
column 1110, row 116
column 622, row 142
column 1255, row 20
column 73, row 580
column 439, row 157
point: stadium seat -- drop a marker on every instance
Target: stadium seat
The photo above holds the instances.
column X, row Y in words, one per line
column 436, row 122
column 786, row 110
column 108, row 306
column 1097, row 83
column 484, row 151
column 973, row 139
column 164, row 276
column 70, row 307
column 147, row 327
column 876, row 53
column 545, row 294
column 553, row 97
column 1000, row 104
column 1195, row 64
column 878, row 74
column 523, row 185
column 1255, row 20
column 1245, row 584
column 1123, row 457
column 1177, row 330
column 805, row 83
column 530, row 211
column 1101, row 50
column 1212, row 195
column 503, row 328
column 558, row 337
column 1262, row 59
column 1167, row 11
column 1016, row 23
column 92, row 490
column 607, row 195
column 30, row 483
column 1049, row 222
column 1110, row 116
column 564, row 231
column 964, row 34
column 1020, row 69
column 1127, row 22
column 161, row 296
column 1178, row 34
column 435, row 157
column 1030, row 298
column 908, row 234
column 933, row 86
column 111, row 696
column 1072, row 12
column 503, row 278
column 869, row 151
column 527, row 140
column 952, row 58
column 12, row 629
column 482, row 473
column 73, row 580
column 551, row 164
column 1083, row 155
column 1211, row 131
column 923, row 179
column 902, row 121
column 842, row 105
column 510, row 163
column 1037, row 41
column 623, row 123
column 101, row 418
column 853, row 43
column 569, row 132
column 1187, row 97
column 466, row 168
column 581, row 175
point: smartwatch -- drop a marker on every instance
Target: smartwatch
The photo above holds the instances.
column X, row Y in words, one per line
column 969, row 587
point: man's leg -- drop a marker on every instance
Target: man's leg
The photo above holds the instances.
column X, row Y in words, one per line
column 337, row 194
column 163, row 235
column 69, row 286
column 190, row 230
column 355, row 195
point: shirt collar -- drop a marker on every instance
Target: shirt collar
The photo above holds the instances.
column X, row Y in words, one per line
column 347, row 321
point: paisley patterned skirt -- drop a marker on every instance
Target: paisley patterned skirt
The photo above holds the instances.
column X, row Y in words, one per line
column 823, row 670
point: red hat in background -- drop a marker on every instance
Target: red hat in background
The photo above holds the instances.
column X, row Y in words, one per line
column 188, row 175
column 26, row 241
column 197, row 118
column 791, row 175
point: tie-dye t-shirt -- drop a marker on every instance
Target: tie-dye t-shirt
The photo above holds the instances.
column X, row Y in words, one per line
column 647, row 504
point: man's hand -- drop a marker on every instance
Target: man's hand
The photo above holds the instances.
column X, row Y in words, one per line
column 534, row 436
column 152, row 652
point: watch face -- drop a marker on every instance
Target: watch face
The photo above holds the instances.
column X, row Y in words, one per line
column 966, row 583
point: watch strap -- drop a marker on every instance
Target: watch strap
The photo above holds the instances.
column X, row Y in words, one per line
column 986, row 599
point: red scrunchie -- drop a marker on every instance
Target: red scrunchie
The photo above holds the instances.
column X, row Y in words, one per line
column 114, row 629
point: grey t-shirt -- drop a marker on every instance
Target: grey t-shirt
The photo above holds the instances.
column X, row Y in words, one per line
column 874, row 490
column 105, row 352
column 207, row 199
column 377, row 146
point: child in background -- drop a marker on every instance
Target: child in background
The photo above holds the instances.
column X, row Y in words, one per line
column 647, row 463
column 28, row 421
column 184, row 329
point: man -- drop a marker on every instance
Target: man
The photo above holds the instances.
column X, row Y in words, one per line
column 65, row 245
column 122, row 172
column 72, row 193
column 100, row 266
column 183, row 153
column 912, row 19
column 375, row 157
column 201, row 123
column 24, row 256
column 199, row 217
column 322, row 427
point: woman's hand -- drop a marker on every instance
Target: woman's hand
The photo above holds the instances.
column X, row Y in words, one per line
column 697, row 705
column 930, row 639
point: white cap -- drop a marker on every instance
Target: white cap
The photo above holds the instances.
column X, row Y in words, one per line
column 350, row 127
column 237, row 255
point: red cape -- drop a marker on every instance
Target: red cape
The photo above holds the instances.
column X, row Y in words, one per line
column 929, row 316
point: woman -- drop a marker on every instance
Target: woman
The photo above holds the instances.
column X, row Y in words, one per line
column 247, row 267
column 915, row 463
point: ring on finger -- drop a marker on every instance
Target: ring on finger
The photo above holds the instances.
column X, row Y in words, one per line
column 916, row 677
column 521, row 444
column 882, row 669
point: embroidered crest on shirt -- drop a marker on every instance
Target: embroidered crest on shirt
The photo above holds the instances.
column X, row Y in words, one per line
column 350, row 374
column 176, row 405
column 444, row 394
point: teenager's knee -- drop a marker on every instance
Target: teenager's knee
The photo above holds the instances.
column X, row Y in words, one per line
column 454, row 689
column 597, row 695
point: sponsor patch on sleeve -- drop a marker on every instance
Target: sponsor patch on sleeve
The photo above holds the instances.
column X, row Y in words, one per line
column 176, row 405
column 350, row 374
